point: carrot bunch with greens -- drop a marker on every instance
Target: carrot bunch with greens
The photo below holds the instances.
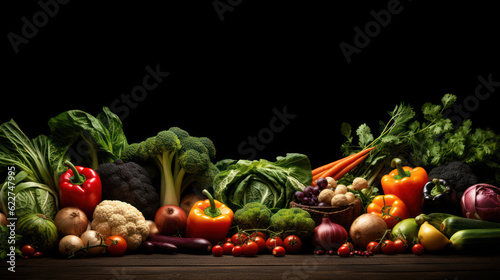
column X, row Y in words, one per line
column 340, row 167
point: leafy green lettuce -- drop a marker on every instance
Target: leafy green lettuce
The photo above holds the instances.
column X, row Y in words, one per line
column 270, row 183
column 37, row 164
column 102, row 134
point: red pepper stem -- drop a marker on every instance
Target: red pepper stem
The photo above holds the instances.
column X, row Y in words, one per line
column 211, row 211
column 77, row 178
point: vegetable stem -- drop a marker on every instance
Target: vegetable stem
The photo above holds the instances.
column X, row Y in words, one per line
column 396, row 162
column 438, row 187
column 211, row 211
column 77, row 178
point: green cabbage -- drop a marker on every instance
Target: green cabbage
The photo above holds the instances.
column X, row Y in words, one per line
column 270, row 183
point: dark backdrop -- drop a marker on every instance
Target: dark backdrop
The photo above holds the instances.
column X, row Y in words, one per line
column 235, row 65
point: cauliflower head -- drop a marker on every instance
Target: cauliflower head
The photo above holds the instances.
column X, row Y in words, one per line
column 114, row 217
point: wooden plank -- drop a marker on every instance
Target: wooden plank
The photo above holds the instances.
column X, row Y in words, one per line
column 183, row 266
column 261, row 260
column 251, row 272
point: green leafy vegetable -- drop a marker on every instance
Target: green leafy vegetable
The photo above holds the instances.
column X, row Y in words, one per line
column 30, row 197
column 40, row 158
column 428, row 141
column 38, row 164
column 103, row 134
column 270, row 183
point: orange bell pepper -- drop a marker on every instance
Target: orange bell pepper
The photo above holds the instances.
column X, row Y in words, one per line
column 390, row 208
column 407, row 184
column 209, row 219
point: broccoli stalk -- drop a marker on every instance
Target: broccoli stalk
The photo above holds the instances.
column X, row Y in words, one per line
column 183, row 160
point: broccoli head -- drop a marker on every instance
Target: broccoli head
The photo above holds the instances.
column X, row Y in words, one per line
column 459, row 175
column 183, row 161
column 253, row 215
column 293, row 221
column 129, row 182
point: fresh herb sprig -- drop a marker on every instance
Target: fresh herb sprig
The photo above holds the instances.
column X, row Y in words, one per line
column 428, row 141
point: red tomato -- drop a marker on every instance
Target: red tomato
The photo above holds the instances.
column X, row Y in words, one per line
column 238, row 238
column 28, row 251
column 417, row 249
column 250, row 248
column 228, row 248
column 273, row 242
column 237, row 251
column 292, row 244
column 372, row 246
column 388, row 247
column 116, row 245
column 400, row 246
column 259, row 233
column 279, row 251
column 226, row 240
column 217, row 250
column 344, row 251
column 261, row 242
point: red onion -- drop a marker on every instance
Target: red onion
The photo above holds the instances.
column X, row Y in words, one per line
column 481, row 202
column 329, row 235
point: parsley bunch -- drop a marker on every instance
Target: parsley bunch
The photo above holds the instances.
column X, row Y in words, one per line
column 428, row 140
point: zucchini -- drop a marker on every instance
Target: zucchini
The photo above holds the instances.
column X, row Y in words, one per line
column 434, row 219
column 470, row 240
column 453, row 224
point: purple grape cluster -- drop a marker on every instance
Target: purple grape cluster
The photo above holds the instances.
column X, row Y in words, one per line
column 309, row 196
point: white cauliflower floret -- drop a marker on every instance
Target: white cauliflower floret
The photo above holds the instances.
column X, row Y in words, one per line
column 113, row 217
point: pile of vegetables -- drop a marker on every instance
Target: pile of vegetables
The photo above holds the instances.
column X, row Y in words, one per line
column 424, row 186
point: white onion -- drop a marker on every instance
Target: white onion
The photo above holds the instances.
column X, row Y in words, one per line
column 92, row 238
column 69, row 244
column 71, row 220
column 152, row 227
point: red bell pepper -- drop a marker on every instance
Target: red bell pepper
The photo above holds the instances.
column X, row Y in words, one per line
column 80, row 187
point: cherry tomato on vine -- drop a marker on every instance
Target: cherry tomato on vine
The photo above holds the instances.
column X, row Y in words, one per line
column 417, row 249
column 279, row 251
column 344, row 251
column 116, row 245
column 388, row 247
column 261, row 242
column 400, row 246
column 250, row 248
column 228, row 248
column 273, row 242
column 217, row 251
column 239, row 238
column 259, row 233
column 237, row 251
column 372, row 247
column 28, row 250
column 292, row 244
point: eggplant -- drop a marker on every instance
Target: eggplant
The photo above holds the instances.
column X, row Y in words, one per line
column 187, row 245
column 158, row 247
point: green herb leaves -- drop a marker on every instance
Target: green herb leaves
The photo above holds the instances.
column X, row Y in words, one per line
column 429, row 140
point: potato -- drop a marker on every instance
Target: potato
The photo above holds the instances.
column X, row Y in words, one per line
column 341, row 189
column 339, row 200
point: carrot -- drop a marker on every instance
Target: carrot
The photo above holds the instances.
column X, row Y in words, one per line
column 340, row 165
column 349, row 167
column 325, row 167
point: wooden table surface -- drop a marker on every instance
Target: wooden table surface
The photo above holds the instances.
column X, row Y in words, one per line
column 207, row 267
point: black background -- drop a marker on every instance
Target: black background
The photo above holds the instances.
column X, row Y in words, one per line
column 226, row 77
